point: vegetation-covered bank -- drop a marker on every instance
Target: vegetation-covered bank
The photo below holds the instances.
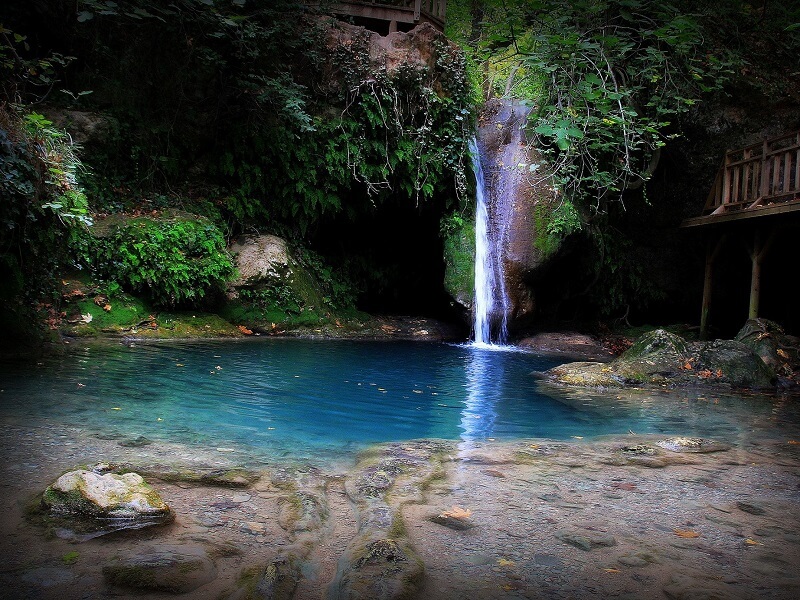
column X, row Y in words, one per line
column 243, row 117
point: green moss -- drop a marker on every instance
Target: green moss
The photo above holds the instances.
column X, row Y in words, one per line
column 544, row 241
column 130, row 576
column 459, row 255
column 398, row 527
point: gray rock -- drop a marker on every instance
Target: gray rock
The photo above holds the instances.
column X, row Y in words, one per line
column 168, row 568
column 258, row 258
column 588, row 540
column 751, row 507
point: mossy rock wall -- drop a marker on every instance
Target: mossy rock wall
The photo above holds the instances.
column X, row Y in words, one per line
column 459, row 257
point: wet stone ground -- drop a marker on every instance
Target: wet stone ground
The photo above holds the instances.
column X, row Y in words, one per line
column 630, row 517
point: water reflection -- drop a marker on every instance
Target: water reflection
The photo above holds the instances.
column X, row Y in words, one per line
column 485, row 374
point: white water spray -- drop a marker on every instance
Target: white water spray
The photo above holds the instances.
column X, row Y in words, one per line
column 491, row 301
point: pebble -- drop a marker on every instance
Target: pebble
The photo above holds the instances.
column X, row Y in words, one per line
column 254, row 528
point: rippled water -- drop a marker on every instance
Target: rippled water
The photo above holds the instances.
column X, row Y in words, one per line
column 285, row 397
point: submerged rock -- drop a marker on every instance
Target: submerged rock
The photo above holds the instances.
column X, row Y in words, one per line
column 168, row 568
column 586, row 540
column 696, row 445
column 90, row 503
column 665, row 359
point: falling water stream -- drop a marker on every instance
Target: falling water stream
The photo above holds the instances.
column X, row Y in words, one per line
column 491, row 300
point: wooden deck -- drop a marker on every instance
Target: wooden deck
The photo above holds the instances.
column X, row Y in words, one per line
column 755, row 199
column 393, row 12
column 756, row 181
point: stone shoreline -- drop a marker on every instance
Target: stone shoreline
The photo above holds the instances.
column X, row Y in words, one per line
column 625, row 517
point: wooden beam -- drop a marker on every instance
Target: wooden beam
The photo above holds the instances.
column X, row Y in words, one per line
column 712, row 251
column 757, row 253
column 775, row 209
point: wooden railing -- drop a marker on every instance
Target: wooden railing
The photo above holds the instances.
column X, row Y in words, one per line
column 403, row 11
column 757, row 176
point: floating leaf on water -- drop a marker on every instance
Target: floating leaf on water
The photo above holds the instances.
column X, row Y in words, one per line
column 115, row 408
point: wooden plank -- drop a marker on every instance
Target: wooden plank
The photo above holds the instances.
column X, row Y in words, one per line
column 776, row 173
column 787, row 172
column 764, row 173
column 797, row 170
column 735, row 191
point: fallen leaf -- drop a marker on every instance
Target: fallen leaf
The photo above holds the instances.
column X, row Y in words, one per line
column 686, row 533
column 115, row 408
column 245, row 330
column 504, row 562
column 793, row 442
column 107, row 307
column 87, row 318
column 456, row 512
column 750, row 542
column 782, row 353
column 611, row 570
column 628, row 487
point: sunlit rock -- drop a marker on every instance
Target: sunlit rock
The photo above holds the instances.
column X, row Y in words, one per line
column 86, row 503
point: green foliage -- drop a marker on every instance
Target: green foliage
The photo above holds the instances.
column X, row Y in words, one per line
column 618, row 73
column 24, row 75
column 174, row 260
column 43, row 205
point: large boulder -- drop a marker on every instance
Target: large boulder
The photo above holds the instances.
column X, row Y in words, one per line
column 267, row 266
column 93, row 502
column 662, row 358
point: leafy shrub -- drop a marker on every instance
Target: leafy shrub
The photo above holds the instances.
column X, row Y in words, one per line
column 174, row 259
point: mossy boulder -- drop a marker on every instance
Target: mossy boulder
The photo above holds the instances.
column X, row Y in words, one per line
column 777, row 349
column 272, row 283
column 661, row 358
column 87, row 501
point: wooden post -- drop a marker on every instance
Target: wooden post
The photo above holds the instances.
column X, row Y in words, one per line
column 712, row 251
column 757, row 254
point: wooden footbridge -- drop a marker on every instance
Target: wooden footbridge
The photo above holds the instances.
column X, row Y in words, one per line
column 756, row 195
column 397, row 14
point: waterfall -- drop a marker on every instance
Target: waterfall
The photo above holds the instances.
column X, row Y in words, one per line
column 491, row 301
